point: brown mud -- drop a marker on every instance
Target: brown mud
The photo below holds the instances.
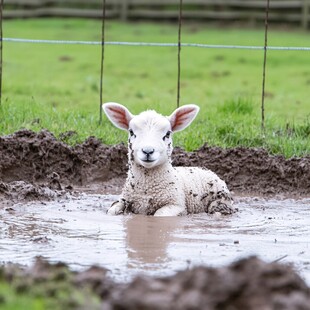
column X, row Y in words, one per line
column 247, row 284
column 45, row 165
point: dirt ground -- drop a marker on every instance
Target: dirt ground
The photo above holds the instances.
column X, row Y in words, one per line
column 249, row 284
column 37, row 166
column 33, row 165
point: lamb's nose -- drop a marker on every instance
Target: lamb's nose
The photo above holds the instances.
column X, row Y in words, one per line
column 148, row 150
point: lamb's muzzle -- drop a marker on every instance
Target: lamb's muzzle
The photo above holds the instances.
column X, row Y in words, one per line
column 148, row 151
column 153, row 185
column 147, row 154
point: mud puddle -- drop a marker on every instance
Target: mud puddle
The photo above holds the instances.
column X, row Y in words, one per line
column 77, row 231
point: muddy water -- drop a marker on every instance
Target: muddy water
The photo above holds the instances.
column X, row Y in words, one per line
column 77, row 231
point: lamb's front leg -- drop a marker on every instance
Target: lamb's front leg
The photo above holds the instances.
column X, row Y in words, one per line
column 222, row 207
column 220, row 202
column 117, row 208
column 170, row 210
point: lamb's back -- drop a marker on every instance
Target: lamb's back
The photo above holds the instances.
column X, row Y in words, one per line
column 202, row 187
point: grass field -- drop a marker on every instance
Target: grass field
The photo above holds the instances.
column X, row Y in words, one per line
column 57, row 86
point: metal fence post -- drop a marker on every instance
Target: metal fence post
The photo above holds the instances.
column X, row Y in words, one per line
column 179, row 54
column 102, row 59
column 264, row 69
column 1, row 43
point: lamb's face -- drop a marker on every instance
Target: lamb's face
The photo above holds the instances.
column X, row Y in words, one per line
column 150, row 142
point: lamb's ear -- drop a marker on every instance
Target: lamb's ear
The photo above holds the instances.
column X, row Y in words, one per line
column 183, row 116
column 117, row 114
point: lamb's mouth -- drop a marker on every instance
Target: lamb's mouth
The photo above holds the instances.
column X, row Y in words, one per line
column 148, row 160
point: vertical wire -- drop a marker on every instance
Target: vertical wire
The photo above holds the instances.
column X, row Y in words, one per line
column 264, row 69
column 102, row 60
column 1, row 43
column 179, row 53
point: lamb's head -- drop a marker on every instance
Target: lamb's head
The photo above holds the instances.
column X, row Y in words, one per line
column 150, row 133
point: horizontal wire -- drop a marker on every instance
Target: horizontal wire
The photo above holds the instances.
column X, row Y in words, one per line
column 280, row 48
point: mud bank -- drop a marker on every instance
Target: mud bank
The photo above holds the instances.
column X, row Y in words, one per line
column 246, row 284
column 50, row 165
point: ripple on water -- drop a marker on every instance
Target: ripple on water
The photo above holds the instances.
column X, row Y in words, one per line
column 78, row 231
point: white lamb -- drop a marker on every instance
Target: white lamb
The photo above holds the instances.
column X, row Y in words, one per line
column 153, row 185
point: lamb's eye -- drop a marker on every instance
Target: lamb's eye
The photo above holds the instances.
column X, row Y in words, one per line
column 131, row 133
column 167, row 136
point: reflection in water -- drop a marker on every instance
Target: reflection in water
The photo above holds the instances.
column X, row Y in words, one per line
column 77, row 231
column 147, row 238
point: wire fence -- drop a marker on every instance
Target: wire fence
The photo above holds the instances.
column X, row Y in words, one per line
column 179, row 45
column 159, row 44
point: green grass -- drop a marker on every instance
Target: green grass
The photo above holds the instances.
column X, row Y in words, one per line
column 57, row 86
column 54, row 289
column 10, row 300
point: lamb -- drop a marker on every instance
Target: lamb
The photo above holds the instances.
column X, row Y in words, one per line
column 153, row 186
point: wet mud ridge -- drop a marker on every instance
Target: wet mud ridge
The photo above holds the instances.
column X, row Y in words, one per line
column 37, row 165
column 247, row 284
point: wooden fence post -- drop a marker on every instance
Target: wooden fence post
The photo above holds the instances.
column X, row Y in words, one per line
column 305, row 14
column 124, row 10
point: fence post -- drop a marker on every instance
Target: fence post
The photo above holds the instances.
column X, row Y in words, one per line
column 124, row 10
column 305, row 14
column 1, row 43
column 102, row 59
column 179, row 53
column 264, row 69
